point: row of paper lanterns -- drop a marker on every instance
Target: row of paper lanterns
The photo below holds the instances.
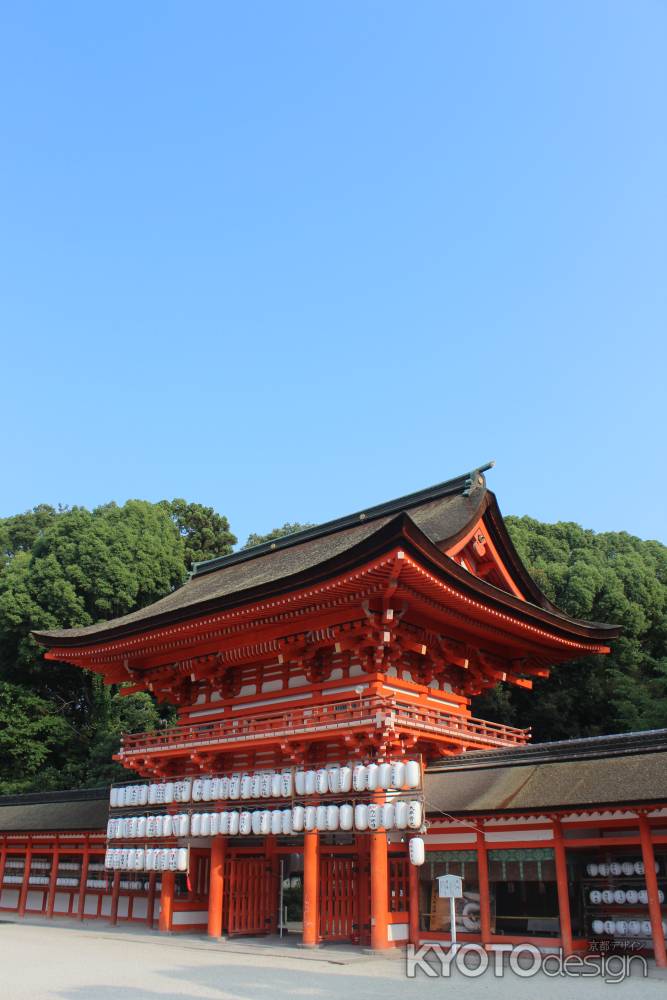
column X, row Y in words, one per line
column 629, row 928
column 398, row 775
column 627, row 868
column 621, row 896
column 401, row 815
column 172, row 859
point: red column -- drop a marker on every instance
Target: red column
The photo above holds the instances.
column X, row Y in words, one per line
column 216, row 885
column 115, row 895
column 563, row 891
column 167, row 900
column 379, row 891
column 150, row 903
column 648, row 857
column 311, row 885
column 23, row 895
column 3, row 861
column 83, row 881
column 484, row 893
column 413, row 905
column 51, row 894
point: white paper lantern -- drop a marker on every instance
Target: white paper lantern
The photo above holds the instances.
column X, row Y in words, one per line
column 415, row 814
column 265, row 822
column 401, row 815
column 141, row 826
column 619, row 896
column 360, row 778
column 214, row 820
column 321, row 783
column 598, row 926
column 609, row 926
column 286, row 783
column 286, row 821
column 256, row 822
column 150, row 826
column 374, row 816
column 111, row 828
column 397, row 774
column 276, row 822
column 384, row 775
column 276, row 784
column 615, row 868
column 108, row 859
column 183, row 825
column 310, row 818
column 591, row 870
column 166, row 826
column 321, row 821
column 333, row 780
column 265, row 785
column 300, row 782
column 182, row 859
column 632, row 897
column 143, row 795
column 346, row 817
column 417, row 852
column 172, row 859
column 388, row 815
column 361, row 816
column 169, row 791
column 311, row 782
column 113, row 798
column 149, row 859
column 628, row 868
column 126, row 826
column 595, row 897
column 197, row 789
column 345, row 780
column 207, row 790
column 164, row 859
column 412, row 774
column 195, row 824
column 603, row 870
column 634, row 928
column 224, row 787
column 205, row 825
column 646, row 928
column 224, row 822
column 139, row 859
column 332, row 818
column 245, row 823
column 235, row 786
column 621, row 927
column 152, row 795
column 372, row 777
column 643, row 896
column 234, row 823
column 298, row 818
column 246, row 786
column 639, row 867
column 255, row 786
column 607, row 896
column 216, row 784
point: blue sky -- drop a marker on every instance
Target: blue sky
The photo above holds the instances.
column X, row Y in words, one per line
column 291, row 259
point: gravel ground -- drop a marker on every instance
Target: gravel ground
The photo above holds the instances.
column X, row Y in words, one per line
column 95, row 962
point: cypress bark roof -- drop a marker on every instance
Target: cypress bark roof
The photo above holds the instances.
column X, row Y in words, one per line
column 438, row 517
column 80, row 809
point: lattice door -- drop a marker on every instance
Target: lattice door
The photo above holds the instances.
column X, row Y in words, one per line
column 250, row 896
column 339, row 898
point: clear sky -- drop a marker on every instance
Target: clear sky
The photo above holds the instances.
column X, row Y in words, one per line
column 291, row 259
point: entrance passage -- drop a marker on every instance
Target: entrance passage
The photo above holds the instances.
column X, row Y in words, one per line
column 339, row 898
column 250, row 896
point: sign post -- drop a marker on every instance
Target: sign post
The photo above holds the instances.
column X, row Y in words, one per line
column 451, row 886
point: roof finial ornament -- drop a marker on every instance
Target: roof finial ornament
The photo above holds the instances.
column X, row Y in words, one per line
column 475, row 477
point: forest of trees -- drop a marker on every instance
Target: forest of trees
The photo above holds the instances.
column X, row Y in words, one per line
column 70, row 567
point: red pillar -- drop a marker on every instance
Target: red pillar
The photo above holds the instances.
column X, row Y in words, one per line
column 167, row 900
column 23, row 895
column 150, row 903
column 413, row 905
column 379, row 891
column 83, row 881
column 216, row 887
column 3, row 862
column 562, row 887
column 484, row 892
column 311, row 885
column 648, row 857
column 51, row 894
column 115, row 895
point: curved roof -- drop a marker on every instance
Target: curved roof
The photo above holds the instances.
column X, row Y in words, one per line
column 433, row 520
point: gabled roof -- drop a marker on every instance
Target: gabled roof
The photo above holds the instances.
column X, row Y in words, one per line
column 80, row 809
column 431, row 520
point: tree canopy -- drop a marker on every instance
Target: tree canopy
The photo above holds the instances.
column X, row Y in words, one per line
column 65, row 567
column 288, row 528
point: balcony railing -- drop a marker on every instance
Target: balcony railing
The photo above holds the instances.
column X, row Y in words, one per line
column 320, row 722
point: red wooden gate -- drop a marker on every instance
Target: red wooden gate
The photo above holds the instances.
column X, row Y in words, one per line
column 250, row 896
column 339, row 898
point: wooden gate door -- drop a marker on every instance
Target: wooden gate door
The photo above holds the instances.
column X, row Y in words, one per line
column 339, row 898
column 250, row 896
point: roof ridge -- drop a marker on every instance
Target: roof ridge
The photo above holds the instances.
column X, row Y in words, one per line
column 463, row 484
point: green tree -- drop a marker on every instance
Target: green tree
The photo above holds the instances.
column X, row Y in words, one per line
column 205, row 533
column 289, row 528
column 29, row 730
column 608, row 577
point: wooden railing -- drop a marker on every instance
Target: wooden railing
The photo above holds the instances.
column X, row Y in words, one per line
column 323, row 721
